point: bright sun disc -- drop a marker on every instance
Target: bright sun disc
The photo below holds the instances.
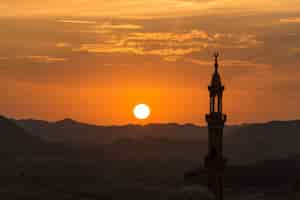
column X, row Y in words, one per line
column 141, row 111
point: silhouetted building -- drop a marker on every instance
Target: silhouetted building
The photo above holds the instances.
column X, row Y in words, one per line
column 214, row 161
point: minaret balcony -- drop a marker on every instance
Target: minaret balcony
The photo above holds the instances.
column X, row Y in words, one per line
column 216, row 118
column 216, row 89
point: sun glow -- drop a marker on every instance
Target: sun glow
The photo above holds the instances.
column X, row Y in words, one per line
column 141, row 111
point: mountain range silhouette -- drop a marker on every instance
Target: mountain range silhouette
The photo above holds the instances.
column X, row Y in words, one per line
column 69, row 158
column 242, row 143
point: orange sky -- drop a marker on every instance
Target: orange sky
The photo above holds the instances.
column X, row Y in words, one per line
column 97, row 63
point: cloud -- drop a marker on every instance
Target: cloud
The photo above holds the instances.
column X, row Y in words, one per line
column 104, row 48
column 62, row 44
column 171, row 51
column 149, row 43
column 295, row 51
column 168, row 52
column 120, row 26
column 245, row 63
column 290, row 20
column 44, row 59
column 232, row 63
column 76, row 21
column 248, row 40
column 3, row 58
column 169, row 36
column 172, row 58
column 169, row 45
column 200, row 62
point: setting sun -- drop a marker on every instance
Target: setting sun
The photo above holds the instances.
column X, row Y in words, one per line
column 141, row 111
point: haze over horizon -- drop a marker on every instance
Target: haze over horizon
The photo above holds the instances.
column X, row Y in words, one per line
column 93, row 61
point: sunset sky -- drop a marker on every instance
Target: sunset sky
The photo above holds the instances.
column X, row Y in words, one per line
column 94, row 60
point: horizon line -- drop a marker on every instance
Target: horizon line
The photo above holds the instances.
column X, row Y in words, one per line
column 147, row 124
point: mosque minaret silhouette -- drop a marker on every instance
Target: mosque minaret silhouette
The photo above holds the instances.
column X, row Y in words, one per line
column 214, row 161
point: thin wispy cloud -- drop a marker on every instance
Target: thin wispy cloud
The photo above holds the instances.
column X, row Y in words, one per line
column 62, row 44
column 233, row 63
column 295, row 51
column 3, row 58
column 290, row 20
column 120, row 26
column 76, row 21
column 43, row 59
column 170, row 36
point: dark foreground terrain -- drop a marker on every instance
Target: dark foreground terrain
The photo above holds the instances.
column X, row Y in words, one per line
column 104, row 179
column 36, row 167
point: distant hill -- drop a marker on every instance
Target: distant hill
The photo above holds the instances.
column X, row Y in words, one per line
column 242, row 143
column 276, row 139
column 14, row 139
column 73, row 132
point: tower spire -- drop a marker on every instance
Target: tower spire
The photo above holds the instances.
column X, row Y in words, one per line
column 216, row 56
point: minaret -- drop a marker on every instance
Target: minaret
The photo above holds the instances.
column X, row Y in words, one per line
column 214, row 161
